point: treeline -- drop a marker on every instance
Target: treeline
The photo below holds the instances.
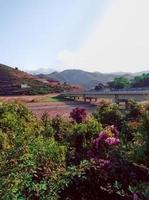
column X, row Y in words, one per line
column 102, row 156
column 123, row 82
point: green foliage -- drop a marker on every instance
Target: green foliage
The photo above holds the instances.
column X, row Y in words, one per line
column 109, row 114
column 61, row 128
column 55, row 99
column 123, row 83
column 145, row 131
column 84, row 133
column 48, row 130
column 51, row 159
column 141, row 81
column 26, row 157
column 80, row 140
column 134, row 110
column 119, row 83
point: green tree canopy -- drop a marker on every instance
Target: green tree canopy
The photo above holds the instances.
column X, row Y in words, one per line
column 119, row 83
column 141, row 81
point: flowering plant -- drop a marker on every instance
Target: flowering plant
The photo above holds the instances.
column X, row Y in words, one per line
column 78, row 115
column 106, row 141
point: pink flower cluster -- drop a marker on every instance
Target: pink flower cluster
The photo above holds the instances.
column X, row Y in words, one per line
column 102, row 136
column 109, row 136
column 102, row 144
column 112, row 141
column 103, row 163
column 135, row 196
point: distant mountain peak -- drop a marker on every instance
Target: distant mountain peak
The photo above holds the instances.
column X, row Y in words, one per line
column 41, row 70
column 81, row 77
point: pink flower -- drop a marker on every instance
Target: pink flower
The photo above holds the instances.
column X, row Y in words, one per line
column 115, row 131
column 103, row 163
column 112, row 141
column 135, row 196
column 101, row 137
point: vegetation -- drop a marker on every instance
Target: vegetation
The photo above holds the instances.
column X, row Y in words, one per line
column 124, row 83
column 104, row 156
column 141, row 81
column 55, row 99
column 119, row 83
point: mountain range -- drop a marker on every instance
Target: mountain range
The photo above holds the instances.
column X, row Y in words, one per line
column 12, row 78
column 41, row 70
column 84, row 78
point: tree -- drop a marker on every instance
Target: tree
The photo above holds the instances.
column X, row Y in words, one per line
column 141, row 81
column 119, row 83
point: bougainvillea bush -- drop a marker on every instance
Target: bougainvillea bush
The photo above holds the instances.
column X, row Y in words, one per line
column 103, row 156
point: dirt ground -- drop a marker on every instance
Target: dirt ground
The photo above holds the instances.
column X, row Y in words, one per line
column 27, row 98
column 60, row 108
column 40, row 104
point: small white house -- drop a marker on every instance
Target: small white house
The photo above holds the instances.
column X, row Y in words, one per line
column 24, row 86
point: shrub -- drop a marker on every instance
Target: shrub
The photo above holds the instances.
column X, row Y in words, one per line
column 129, row 129
column 145, row 133
column 59, row 159
column 80, row 140
column 134, row 110
column 28, row 160
column 109, row 114
column 48, row 130
column 78, row 115
column 61, row 128
column 105, row 142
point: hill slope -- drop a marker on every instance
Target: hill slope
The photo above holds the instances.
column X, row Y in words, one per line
column 83, row 78
column 15, row 82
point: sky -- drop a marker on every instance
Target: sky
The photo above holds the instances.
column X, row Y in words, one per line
column 93, row 35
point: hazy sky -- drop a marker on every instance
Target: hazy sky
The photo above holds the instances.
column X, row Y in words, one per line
column 94, row 35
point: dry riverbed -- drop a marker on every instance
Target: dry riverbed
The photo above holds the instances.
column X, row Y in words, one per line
column 49, row 104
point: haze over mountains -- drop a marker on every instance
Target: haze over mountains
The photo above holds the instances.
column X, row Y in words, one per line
column 84, row 78
column 41, row 70
column 87, row 79
column 72, row 76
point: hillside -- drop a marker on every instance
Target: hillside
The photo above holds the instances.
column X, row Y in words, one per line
column 15, row 82
column 83, row 78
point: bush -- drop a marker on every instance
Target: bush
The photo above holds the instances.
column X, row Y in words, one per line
column 61, row 128
column 78, row 115
column 103, row 156
column 80, row 140
column 145, row 133
column 28, row 160
column 134, row 110
column 109, row 114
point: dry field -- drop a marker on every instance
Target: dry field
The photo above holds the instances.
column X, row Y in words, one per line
column 45, row 103
column 60, row 108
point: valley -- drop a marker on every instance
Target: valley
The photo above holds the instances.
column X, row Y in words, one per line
column 49, row 104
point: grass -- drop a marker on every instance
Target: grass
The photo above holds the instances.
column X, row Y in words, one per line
column 55, row 99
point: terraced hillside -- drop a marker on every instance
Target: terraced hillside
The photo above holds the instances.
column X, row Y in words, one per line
column 16, row 82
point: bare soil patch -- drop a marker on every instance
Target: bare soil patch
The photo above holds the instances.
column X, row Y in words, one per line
column 40, row 104
column 58, row 108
